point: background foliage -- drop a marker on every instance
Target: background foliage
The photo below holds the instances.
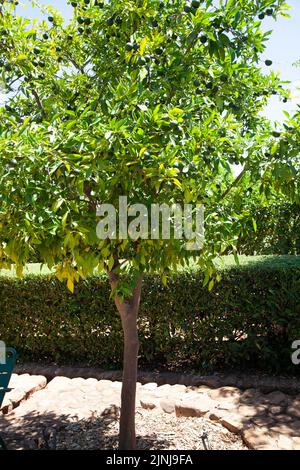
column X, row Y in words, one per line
column 277, row 230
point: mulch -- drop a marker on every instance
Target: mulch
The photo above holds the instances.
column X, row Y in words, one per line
column 155, row 431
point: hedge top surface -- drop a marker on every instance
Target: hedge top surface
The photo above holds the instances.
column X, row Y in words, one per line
column 224, row 263
column 268, row 261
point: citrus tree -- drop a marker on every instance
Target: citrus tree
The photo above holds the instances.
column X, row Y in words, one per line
column 155, row 101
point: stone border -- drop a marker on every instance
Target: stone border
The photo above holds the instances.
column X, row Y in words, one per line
column 266, row 384
column 22, row 387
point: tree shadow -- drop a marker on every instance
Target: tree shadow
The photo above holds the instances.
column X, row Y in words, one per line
column 268, row 417
column 50, row 431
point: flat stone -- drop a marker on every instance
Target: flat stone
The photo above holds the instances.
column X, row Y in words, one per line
column 116, row 385
column 275, row 398
column 223, row 393
column 257, row 436
column 167, row 405
column 149, row 402
column 103, row 384
column 178, row 388
column 32, row 384
column 226, row 405
column 291, row 429
column 275, row 409
column 250, row 396
column 191, row 407
column 285, row 443
column 165, row 387
column 115, row 399
column 150, row 386
column 263, row 421
column 7, row 405
column 15, row 379
column 294, row 409
column 162, row 391
column 194, row 395
column 283, row 418
column 268, row 447
column 106, row 391
column 45, row 405
column 77, row 382
column 216, row 414
column 16, row 395
column 91, row 382
column 199, row 389
column 296, row 443
column 60, row 383
column 22, row 386
column 251, row 411
column 234, row 422
column 208, row 381
column 67, row 392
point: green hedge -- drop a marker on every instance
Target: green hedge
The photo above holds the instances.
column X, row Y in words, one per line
column 249, row 319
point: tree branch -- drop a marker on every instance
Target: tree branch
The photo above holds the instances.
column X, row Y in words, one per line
column 114, row 279
column 194, row 40
column 38, row 100
column 234, row 183
column 87, row 192
column 14, row 81
column 76, row 65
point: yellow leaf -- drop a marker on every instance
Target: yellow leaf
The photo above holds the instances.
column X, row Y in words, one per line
column 177, row 183
column 187, row 196
column 64, row 219
column 100, row 266
column 21, row 57
column 19, row 270
column 111, row 263
column 70, row 284
column 68, row 167
column 211, row 284
column 176, row 111
column 143, row 45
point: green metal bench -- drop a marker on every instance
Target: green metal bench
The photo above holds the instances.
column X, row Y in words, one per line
column 5, row 375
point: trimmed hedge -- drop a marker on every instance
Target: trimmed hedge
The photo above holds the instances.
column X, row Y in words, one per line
column 250, row 319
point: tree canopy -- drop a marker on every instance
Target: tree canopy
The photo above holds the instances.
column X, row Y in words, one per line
column 152, row 100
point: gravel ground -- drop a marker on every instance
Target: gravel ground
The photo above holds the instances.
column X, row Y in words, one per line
column 155, row 431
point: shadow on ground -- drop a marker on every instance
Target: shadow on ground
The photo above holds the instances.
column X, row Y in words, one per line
column 49, row 431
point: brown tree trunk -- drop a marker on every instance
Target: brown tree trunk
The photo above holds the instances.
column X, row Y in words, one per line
column 128, row 310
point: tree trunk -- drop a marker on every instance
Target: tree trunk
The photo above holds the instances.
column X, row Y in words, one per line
column 128, row 310
column 128, row 395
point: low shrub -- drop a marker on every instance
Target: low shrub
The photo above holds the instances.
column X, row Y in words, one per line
column 249, row 319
